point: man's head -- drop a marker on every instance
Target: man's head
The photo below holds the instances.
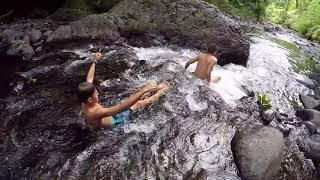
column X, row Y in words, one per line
column 213, row 49
column 87, row 93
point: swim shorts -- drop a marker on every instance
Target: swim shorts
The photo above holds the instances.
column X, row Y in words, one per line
column 121, row 118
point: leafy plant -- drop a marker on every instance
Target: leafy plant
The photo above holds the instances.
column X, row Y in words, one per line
column 264, row 101
column 302, row 16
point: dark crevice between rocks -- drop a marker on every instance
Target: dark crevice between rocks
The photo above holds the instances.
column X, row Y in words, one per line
column 28, row 9
column 8, row 69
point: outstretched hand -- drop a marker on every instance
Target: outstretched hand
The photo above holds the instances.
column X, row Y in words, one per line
column 151, row 86
column 96, row 57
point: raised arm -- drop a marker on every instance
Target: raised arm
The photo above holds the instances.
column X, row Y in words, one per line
column 105, row 112
column 191, row 61
column 95, row 58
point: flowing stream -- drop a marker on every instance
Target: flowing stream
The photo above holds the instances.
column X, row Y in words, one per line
column 185, row 135
column 276, row 67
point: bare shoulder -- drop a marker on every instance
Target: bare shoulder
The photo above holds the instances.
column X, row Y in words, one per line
column 92, row 112
column 201, row 55
column 213, row 59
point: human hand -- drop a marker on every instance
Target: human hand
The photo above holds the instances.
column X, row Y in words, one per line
column 96, row 57
column 151, row 86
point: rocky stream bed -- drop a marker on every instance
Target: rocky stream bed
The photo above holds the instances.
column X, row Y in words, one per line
column 196, row 131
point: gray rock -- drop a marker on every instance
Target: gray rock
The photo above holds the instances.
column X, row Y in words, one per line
column 62, row 33
column 305, row 80
column 47, row 34
column 35, row 35
column 20, row 48
column 268, row 116
column 26, row 39
column 95, row 26
column 54, row 159
column 309, row 102
column 310, row 115
column 11, row 35
column 39, row 49
column 258, row 152
column 188, row 23
column 311, row 147
column 311, row 127
column 310, row 164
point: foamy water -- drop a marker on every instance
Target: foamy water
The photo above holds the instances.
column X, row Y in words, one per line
column 268, row 71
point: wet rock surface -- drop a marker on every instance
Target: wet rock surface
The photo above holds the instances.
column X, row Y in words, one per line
column 310, row 115
column 309, row 102
column 186, row 135
column 258, row 152
column 311, row 147
column 139, row 20
column 51, row 130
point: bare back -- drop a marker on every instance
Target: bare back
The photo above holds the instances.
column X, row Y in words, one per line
column 205, row 66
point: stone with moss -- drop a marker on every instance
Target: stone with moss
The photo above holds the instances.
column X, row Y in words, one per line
column 76, row 9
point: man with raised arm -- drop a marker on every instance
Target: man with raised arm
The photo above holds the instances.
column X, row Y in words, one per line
column 98, row 116
column 206, row 63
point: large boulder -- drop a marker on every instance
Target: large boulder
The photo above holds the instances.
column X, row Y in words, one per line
column 17, row 44
column 311, row 147
column 312, row 128
column 192, row 24
column 309, row 115
column 19, row 40
column 91, row 27
column 309, row 102
column 258, row 152
column 35, row 35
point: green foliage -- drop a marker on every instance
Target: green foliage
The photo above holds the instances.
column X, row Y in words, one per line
column 314, row 33
column 252, row 9
column 264, row 101
column 302, row 16
column 276, row 14
column 308, row 22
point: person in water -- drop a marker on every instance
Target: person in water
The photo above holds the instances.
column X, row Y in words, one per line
column 206, row 63
column 98, row 116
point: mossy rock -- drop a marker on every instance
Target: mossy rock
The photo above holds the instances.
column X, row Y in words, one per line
column 76, row 9
column 104, row 5
column 66, row 14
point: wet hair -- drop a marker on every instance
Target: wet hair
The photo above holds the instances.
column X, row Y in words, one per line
column 212, row 48
column 85, row 91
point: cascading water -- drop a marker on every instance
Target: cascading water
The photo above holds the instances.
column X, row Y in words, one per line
column 269, row 71
column 185, row 135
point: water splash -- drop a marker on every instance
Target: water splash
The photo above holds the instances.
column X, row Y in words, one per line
column 269, row 70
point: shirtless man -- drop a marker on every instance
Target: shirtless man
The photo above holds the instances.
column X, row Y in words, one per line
column 206, row 62
column 98, row 116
